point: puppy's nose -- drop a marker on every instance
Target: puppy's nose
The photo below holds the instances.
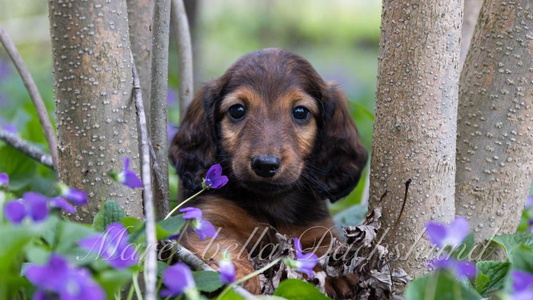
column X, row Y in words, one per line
column 266, row 165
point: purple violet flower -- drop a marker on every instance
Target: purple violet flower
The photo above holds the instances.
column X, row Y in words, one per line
column 63, row 279
column 226, row 269
column 5, row 69
column 4, row 180
column 462, row 269
column 62, row 203
column 128, row 177
column 172, row 97
column 75, row 196
column 172, row 129
column 522, row 285
column 15, row 211
column 32, row 205
column 112, row 246
column 202, row 227
column 529, row 201
column 530, row 223
column 178, row 279
column 305, row 262
column 214, row 178
column 451, row 235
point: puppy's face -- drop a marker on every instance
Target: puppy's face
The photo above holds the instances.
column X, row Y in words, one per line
column 268, row 135
column 275, row 126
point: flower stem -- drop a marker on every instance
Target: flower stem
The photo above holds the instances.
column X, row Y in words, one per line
column 137, row 288
column 182, row 203
column 251, row 275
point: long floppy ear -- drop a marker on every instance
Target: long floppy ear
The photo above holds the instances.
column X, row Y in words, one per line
column 192, row 150
column 341, row 155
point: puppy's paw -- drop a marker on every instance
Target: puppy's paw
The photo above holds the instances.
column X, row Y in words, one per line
column 244, row 267
column 341, row 287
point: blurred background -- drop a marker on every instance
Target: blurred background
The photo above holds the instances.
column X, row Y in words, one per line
column 339, row 37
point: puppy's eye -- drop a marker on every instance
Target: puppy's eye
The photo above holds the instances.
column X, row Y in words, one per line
column 237, row 111
column 300, row 114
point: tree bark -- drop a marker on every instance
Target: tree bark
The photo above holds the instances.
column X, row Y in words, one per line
column 95, row 115
column 158, row 102
column 495, row 131
column 415, row 127
column 140, row 14
column 471, row 13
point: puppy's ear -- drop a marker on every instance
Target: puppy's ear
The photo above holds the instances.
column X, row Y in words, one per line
column 192, row 150
column 341, row 154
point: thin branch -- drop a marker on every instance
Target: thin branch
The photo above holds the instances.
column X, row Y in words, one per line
column 183, row 38
column 34, row 94
column 150, row 265
column 27, row 148
column 196, row 263
column 158, row 101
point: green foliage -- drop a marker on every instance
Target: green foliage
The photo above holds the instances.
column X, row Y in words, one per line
column 110, row 213
column 439, row 285
column 511, row 242
column 493, row 279
column 490, row 276
column 294, row 289
column 207, row 281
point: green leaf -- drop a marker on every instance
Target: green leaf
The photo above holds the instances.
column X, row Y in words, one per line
column 294, row 289
column 360, row 108
column 207, row 281
column 230, row 295
column 36, row 254
column 462, row 251
column 354, row 215
column 490, row 276
column 19, row 167
column 70, row 233
column 440, row 285
column 522, row 258
column 113, row 280
column 170, row 226
column 132, row 224
column 111, row 212
column 510, row 242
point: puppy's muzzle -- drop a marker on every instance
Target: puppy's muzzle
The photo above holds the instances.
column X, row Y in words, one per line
column 266, row 165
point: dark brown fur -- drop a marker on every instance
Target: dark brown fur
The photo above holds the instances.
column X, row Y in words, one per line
column 320, row 159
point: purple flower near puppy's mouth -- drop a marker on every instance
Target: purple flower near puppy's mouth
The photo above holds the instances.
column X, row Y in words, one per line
column 214, row 178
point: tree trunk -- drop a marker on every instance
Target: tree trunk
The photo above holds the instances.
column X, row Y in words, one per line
column 95, row 115
column 415, row 127
column 495, row 131
column 158, row 102
column 140, row 14
column 471, row 14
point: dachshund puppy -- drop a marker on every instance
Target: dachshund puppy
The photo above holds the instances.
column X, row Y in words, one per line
column 286, row 141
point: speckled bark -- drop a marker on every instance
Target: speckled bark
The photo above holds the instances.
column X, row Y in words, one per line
column 471, row 13
column 158, row 101
column 140, row 23
column 415, row 127
column 495, row 119
column 95, row 115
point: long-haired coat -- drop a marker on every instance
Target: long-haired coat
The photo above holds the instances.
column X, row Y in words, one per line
column 286, row 141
